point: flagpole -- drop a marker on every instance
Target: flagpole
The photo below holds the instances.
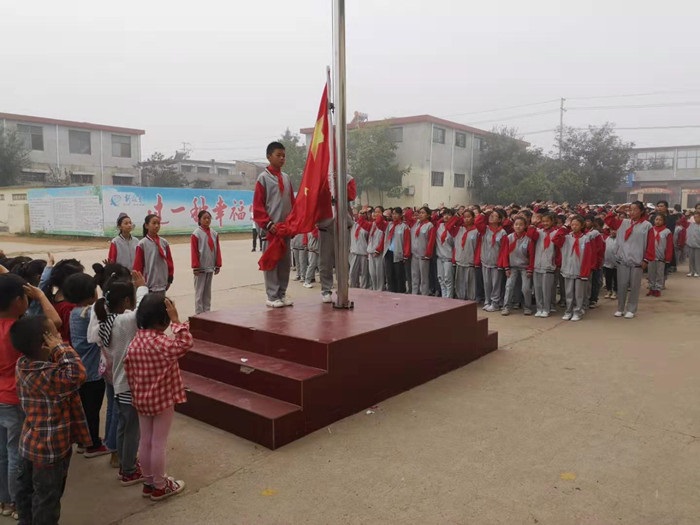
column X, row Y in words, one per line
column 342, row 234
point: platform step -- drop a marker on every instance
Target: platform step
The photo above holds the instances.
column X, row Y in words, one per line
column 259, row 373
column 253, row 416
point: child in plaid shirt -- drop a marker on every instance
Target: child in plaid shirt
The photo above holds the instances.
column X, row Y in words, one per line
column 49, row 374
column 153, row 374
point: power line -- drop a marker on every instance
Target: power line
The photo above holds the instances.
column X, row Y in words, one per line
column 637, row 94
column 503, row 108
column 639, row 106
column 512, row 117
column 539, row 131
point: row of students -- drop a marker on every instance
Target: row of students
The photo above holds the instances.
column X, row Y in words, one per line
column 152, row 257
column 474, row 247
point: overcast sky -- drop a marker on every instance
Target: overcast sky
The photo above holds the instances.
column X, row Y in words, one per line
column 228, row 77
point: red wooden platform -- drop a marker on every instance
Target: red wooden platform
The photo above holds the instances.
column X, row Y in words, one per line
column 275, row 375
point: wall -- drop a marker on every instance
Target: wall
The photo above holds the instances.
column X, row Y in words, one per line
column 14, row 213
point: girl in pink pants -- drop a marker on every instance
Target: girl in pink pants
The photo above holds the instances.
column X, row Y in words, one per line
column 156, row 386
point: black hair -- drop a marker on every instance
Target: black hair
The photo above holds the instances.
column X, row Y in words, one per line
column 665, row 203
column 121, row 218
column 599, row 222
column 31, row 271
column 13, row 263
column 478, row 208
column 79, row 287
column 11, row 287
column 427, row 210
column 27, row 335
column 520, row 218
column 151, row 312
column 63, row 269
column 146, row 221
column 448, row 211
column 398, row 210
column 470, row 212
column 378, row 206
column 201, row 214
column 677, row 207
column 109, row 271
column 272, row 146
column 116, row 292
column 640, row 206
column 578, row 218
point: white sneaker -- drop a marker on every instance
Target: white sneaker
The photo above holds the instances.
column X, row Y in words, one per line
column 629, row 315
column 308, row 285
column 485, row 308
column 567, row 317
column 545, row 314
column 286, row 301
column 619, row 314
column 696, row 275
column 492, row 308
column 274, row 304
column 689, row 274
column 327, row 298
column 576, row 317
column 538, row 313
column 505, row 311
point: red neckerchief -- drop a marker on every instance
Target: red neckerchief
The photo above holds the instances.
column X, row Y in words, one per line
column 657, row 232
column 547, row 238
column 210, row 239
column 420, row 225
column 277, row 173
column 443, row 236
column 375, row 225
column 629, row 230
column 156, row 240
column 494, row 231
column 576, row 248
column 357, row 231
column 391, row 230
column 516, row 238
column 464, row 237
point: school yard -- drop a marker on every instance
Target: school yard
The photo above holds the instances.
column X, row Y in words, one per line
column 589, row 423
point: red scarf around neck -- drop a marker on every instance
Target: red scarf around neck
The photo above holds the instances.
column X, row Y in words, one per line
column 516, row 238
column 156, row 240
column 494, row 232
column 576, row 248
column 420, row 225
column 657, row 232
column 277, row 173
column 210, row 239
column 633, row 223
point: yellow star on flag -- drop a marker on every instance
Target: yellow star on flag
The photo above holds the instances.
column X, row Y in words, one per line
column 318, row 137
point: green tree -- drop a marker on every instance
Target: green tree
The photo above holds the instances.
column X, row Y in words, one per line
column 296, row 156
column 372, row 161
column 598, row 158
column 160, row 171
column 14, row 156
column 504, row 164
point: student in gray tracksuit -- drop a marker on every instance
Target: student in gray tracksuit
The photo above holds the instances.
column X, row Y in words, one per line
column 375, row 249
column 359, row 270
column 466, row 254
column 422, row 247
column 205, row 253
column 312, row 252
column 577, row 258
column 547, row 241
column 300, row 256
column 122, row 249
column 491, row 244
column 659, row 254
column 632, row 240
column 518, row 260
column 272, row 201
column 692, row 241
column 444, row 248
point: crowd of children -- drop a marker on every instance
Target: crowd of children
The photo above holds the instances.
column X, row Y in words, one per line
column 62, row 349
column 535, row 257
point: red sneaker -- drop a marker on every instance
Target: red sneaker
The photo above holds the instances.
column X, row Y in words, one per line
column 147, row 490
column 170, row 488
column 131, row 479
column 93, row 452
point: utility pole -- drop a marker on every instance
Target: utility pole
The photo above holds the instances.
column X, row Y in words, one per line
column 561, row 125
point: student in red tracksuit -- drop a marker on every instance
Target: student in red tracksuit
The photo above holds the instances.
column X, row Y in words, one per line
column 517, row 258
column 659, row 253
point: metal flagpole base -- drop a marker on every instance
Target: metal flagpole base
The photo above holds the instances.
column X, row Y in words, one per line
column 348, row 306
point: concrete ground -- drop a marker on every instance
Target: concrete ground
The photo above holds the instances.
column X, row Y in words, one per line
column 589, row 423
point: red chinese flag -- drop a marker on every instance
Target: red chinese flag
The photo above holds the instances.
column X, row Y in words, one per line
column 314, row 196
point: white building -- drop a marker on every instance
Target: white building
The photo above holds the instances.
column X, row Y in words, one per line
column 442, row 156
column 63, row 152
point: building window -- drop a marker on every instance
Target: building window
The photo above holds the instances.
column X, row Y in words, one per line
column 655, row 160
column 459, row 180
column 186, row 168
column 222, row 171
column 33, row 176
column 19, row 196
column 478, row 144
column 202, row 169
column 437, row 178
column 396, row 134
column 33, row 136
column 79, row 142
column 688, row 159
column 80, row 178
column 122, row 181
column 121, row 146
column 439, row 135
column 460, row 139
